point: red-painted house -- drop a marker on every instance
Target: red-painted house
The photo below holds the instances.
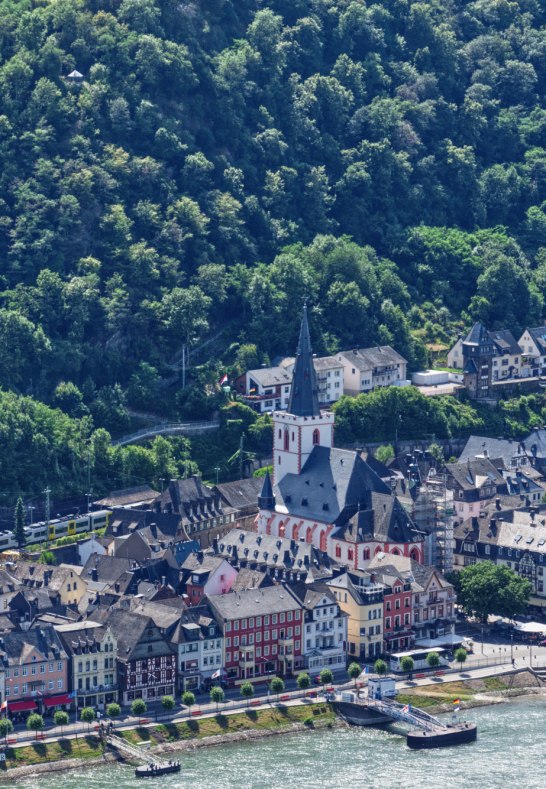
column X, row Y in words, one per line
column 397, row 609
column 262, row 632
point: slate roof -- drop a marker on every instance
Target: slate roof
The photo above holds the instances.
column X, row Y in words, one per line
column 260, row 551
column 368, row 358
column 538, row 335
column 108, row 568
column 382, row 519
column 128, row 497
column 194, row 624
column 202, row 564
column 304, row 390
column 44, row 640
column 536, row 443
column 310, row 595
column 517, row 529
column 505, row 449
column 270, row 376
column 166, row 617
column 473, row 474
column 241, row 494
column 505, row 342
column 131, row 633
column 267, row 600
column 330, row 481
column 250, row 579
column 477, row 334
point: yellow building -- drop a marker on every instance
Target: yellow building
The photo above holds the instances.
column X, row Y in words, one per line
column 66, row 579
column 362, row 600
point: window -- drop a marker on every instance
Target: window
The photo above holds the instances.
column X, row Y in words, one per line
column 60, row 665
column 60, row 684
column 316, row 436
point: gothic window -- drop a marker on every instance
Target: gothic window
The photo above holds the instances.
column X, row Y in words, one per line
column 338, row 551
column 309, row 535
column 414, row 555
column 395, row 551
column 366, row 553
column 286, row 439
column 316, row 437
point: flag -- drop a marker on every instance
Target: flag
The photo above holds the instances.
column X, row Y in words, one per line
column 457, row 701
column 405, row 708
column 217, row 674
column 223, row 380
column 4, row 705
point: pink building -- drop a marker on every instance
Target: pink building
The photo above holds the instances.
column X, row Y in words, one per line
column 36, row 672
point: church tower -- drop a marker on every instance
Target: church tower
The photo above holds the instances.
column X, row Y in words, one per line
column 303, row 425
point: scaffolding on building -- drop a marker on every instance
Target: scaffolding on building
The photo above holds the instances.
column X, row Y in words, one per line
column 433, row 513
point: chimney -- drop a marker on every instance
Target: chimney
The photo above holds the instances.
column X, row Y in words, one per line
column 163, row 580
column 215, row 544
column 94, row 574
column 286, row 559
column 497, row 503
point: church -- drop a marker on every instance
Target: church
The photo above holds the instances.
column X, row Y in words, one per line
column 325, row 496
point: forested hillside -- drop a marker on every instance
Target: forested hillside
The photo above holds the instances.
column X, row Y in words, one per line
column 222, row 161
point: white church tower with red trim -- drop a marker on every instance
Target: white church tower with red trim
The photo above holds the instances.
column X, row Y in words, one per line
column 303, row 425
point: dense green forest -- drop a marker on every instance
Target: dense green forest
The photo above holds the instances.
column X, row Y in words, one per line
column 222, row 162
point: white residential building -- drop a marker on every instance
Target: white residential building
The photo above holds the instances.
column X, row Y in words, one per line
column 325, row 629
column 532, row 344
column 366, row 369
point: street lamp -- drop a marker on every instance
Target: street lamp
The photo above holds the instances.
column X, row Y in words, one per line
column 31, row 509
column 512, row 648
column 217, row 469
column 482, row 639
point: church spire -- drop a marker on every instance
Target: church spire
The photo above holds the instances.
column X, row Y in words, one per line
column 266, row 499
column 304, row 391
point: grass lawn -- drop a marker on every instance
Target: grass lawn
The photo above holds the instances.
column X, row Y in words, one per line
column 429, row 695
column 38, row 752
column 275, row 718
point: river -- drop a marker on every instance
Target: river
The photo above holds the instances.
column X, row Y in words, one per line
column 509, row 753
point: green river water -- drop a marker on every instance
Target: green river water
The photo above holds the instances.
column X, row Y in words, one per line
column 510, row 752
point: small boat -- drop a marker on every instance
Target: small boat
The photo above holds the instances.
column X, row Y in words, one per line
column 154, row 770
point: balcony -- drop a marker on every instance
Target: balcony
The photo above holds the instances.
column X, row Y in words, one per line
column 246, row 660
column 96, row 689
column 286, row 642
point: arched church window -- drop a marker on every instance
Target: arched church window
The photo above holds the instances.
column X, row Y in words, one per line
column 316, row 437
column 286, row 439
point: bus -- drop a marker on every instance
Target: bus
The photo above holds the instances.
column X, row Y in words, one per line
column 419, row 657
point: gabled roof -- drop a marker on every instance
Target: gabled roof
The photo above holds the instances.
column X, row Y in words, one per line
column 536, row 443
column 311, row 595
column 368, row 358
column 330, row 481
column 505, row 342
column 242, row 493
column 504, row 449
column 132, row 633
column 267, row 600
column 381, row 519
column 474, row 474
column 538, row 335
column 108, row 568
column 42, row 640
column 270, row 376
column 304, row 390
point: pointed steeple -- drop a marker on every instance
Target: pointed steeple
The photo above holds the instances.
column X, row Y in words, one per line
column 304, row 391
column 266, row 499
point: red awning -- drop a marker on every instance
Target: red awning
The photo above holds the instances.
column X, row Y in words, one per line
column 21, row 706
column 56, row 701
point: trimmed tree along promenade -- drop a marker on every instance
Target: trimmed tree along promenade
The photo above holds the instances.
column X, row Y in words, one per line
column 89, row 747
